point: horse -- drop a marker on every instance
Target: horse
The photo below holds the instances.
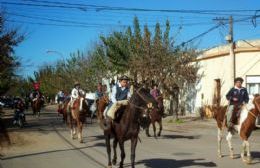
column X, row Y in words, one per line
column 156, row 116
column 127, row 124
column 244, row 128
column 76, row 117
column 62, row 109
column 36, row 105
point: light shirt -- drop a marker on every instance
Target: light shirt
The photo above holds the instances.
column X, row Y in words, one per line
column 113, row 94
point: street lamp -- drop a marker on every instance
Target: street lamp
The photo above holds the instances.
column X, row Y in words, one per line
column 55, row 52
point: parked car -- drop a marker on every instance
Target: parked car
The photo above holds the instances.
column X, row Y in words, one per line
column 2, row 103
column 7, row 102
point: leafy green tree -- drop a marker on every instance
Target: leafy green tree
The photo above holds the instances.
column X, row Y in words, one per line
column 9, row 38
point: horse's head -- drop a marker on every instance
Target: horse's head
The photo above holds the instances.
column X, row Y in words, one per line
column 145, row 98
column 256, row 102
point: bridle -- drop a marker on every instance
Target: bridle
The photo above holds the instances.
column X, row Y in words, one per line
column 141, row 96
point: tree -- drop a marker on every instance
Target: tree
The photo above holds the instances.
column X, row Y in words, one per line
column 152, row 59
column 9, row 38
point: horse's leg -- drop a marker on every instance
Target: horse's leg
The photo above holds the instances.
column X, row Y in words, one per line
column 154, row 129
column 115, row 153
column 243, row 151
column 108, row 150
column 122, row 148
column 72, row 128
column 160, row 124
column 220, row 136
column 229, row 138
column 39, row 113
column 80, row 126
column 246, row 149
column 133, row 147
column 147, row 130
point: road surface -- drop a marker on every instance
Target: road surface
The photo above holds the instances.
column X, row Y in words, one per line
column 46, row 143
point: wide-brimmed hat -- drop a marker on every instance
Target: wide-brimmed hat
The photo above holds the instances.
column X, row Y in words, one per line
column 76, row 83
column 124, row 77
column 239, row 79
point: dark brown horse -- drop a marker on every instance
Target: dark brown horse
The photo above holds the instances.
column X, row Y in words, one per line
column 127, row 125
column 36, row 106
column 156, row 116
column 76, row 117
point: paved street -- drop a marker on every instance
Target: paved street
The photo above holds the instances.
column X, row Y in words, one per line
column 46, row 142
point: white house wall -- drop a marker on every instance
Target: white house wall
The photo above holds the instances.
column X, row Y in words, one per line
column 219, row 67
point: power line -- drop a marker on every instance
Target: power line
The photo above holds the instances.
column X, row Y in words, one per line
column 85, row 7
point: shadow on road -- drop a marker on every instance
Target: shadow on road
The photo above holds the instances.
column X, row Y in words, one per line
column 42, row 153
column 179, row 137
column 256, row 157
column 170, row 163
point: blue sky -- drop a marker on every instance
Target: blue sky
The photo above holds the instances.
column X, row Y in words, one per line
column 44, row 32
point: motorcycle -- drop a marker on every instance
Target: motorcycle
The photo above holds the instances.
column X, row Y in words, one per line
column 19, row 118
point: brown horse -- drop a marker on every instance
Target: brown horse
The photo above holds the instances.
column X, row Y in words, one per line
column 244, row 127
column 76, row 117
column 36, row 106
column 101, row 106
column 156, row 116
column 127, row 124
column 62, row 109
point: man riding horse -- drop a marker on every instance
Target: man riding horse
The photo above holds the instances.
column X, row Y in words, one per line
column 75, row 93
column 237, row 96
column 119, row 97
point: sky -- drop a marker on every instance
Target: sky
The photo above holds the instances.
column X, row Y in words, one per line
column 65, row 26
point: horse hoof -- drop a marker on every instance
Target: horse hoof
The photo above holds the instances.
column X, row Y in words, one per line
column 248, row 160
column 232, row 156
column 148, row 135
column 159, row 135
column 114, row 161
column 81, row 141
column 220, row 156
column 109, row 166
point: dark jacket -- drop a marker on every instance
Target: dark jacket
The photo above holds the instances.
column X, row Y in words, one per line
column 121, row 94
column 241, row 95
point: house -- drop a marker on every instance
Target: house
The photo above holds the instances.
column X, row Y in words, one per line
column 216, row 70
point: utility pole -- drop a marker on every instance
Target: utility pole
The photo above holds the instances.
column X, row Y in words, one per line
column 230, row 40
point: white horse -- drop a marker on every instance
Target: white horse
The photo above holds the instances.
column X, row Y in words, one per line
column 244, row 128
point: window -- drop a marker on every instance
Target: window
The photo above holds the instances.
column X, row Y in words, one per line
column 253, row 84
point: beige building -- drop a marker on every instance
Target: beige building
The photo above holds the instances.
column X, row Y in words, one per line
column 216, row 69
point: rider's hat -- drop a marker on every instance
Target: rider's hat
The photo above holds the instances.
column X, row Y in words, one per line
column 124, row 77
column 239, row 79
column 76, row 83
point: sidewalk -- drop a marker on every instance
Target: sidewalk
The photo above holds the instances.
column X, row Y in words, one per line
column 187, row 124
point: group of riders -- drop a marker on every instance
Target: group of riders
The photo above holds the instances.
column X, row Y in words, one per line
column 21, row 105
column 121, row 93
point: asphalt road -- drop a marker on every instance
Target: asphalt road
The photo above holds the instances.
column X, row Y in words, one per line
column 46, row 143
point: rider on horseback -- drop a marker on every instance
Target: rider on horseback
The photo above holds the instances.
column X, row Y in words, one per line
column 99, row 91
column 155, row 92
column 237, row 96
column 75, row 93
column 120, row 95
